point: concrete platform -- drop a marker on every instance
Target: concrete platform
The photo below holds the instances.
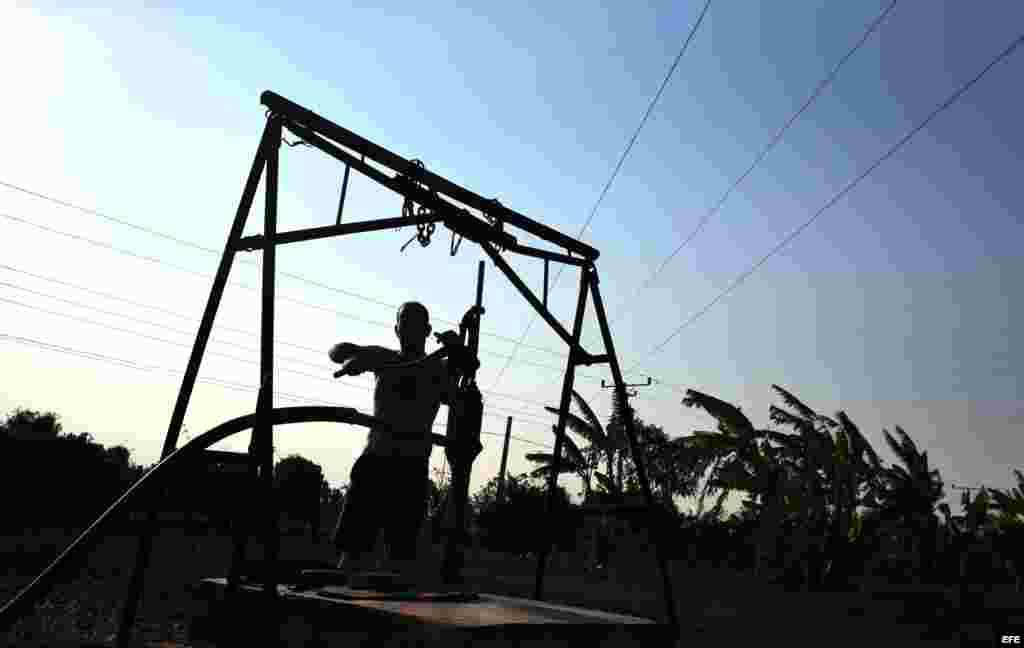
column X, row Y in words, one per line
column 340, row 616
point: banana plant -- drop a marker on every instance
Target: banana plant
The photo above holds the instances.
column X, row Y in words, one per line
column 1010, row 503
column 911, row 493
column 573, row 461
column 748, row 462
column 1010, row 524
column 576, row 460
column 607, row 443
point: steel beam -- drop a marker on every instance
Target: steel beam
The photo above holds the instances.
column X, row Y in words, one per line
column 188, row 381
column 563, row 412
column 257, row 240
column 454, row 217
column 634, row 449
column 264, row 431
column 547, row 255
column 379, row 154
column 530, row 297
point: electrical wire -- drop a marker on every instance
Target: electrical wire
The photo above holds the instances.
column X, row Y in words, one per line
column 842, row 192
column 494, row 411
column 615, row 172
column 173, row 313
column 818, row 90
column 131, row 364
column 202, row 248
column 111, row 248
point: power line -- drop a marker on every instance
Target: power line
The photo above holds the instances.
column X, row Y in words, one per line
column 179, row 315
column 131, row 364
column 842, row 192
column 824, row 83
column 197, row 246
column 157, row 260
column 615, row 172
column 524, row 416
column 140, row 320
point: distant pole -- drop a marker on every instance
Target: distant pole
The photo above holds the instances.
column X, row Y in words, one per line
column 504, row 462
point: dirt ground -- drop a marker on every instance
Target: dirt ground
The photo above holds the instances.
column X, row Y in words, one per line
column 716, row 606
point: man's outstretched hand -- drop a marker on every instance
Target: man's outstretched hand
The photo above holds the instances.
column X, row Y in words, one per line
column 458, row 355
column 448, row 338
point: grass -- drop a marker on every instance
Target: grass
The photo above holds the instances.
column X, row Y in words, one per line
column 717, row 606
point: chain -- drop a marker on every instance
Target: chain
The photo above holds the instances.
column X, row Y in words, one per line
column 422, row 214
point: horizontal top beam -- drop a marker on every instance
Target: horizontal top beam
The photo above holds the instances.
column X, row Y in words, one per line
column 397, row 163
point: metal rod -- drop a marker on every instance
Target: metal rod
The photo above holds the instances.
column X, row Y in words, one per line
column 188, row 382
column 504, row 463
column 344, row 188
column 563, row 413
column 264, row 431
column 530, row 297
column 480, row 284
column 547, row 255
column 454, row 217
column 256, row 241
column 634, row 449
column 379, row 154
column 545, row 302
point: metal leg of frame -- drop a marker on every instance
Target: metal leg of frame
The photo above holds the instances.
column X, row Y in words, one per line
column 563, row 410
column 265, row 404
column 641, row 470
column 131, row 603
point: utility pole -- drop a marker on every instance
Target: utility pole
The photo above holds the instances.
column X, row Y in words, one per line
column 504, row 462
column 628, row 393
column 969, row 489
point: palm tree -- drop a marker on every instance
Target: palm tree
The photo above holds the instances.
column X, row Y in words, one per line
column 840, row 473
column 1010, row 503
column 911, row 493
column 602, row 443
column 745, row 464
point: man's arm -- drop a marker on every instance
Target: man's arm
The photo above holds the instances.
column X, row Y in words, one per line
column 357, row 359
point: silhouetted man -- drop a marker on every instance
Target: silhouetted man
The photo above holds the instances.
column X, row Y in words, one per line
column 388, row 483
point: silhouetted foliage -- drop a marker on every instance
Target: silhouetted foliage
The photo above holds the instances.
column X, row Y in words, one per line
column 300, row 488
column 54, row 479
column 520, row 524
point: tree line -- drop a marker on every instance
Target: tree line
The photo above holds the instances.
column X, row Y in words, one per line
column 53, row 479
column 820, row 508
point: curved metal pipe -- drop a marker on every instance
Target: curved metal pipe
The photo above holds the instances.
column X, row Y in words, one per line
column 42, row 584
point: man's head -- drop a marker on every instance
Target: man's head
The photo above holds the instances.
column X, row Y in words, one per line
column 413, row 326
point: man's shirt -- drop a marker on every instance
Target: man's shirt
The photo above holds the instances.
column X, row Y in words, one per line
column 408, row 400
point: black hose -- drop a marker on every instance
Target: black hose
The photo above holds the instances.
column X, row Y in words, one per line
column 44, row 582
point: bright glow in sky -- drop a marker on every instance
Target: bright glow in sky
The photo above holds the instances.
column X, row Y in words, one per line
column 896, row 306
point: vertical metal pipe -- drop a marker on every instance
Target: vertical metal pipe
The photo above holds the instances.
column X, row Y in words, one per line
column 265, row 404
column 504, row 463
column 480, row 284
column 473, row 343
column 545, row 302
column 641, row 470
column 467, row 446
column 563, row 411
column 188, row 381
column 344, row 188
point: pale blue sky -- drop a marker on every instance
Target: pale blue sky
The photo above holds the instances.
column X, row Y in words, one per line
column 897, row 305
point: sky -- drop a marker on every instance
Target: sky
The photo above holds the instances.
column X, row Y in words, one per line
column 896, row 305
